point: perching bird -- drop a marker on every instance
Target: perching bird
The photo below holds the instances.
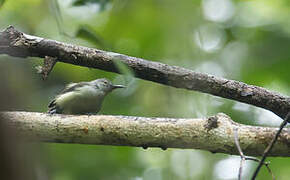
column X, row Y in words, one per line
column 82, row 98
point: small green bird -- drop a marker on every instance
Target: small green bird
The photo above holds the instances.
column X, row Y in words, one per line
column 82, row 98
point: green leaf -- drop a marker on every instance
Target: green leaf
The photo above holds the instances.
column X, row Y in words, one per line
column 124, row 69
column 1, row 3
column 56, row 12
column 88, row 33
column 127, row 77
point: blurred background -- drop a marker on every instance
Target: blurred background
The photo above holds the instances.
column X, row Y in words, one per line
column 243, row 40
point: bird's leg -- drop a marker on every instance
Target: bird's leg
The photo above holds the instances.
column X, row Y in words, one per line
column 90, row 114
column 52, row 111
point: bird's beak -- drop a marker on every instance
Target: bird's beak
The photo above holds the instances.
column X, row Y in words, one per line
column 118, row 86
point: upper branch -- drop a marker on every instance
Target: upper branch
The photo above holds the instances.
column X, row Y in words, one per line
column 215, row 134
column 18, row 44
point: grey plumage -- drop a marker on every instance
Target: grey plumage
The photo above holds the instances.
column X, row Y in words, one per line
column 82, row 98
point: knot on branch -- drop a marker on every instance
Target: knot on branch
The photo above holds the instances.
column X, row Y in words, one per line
column 212, row 122
column 14, row 43
column 246, row 91
column 10, row 36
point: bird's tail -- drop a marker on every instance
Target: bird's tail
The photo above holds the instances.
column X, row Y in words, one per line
column 52, row 108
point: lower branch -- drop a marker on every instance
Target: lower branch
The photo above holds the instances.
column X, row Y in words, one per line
column 215, row 134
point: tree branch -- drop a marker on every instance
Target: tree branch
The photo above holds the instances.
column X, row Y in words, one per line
column 149, row 132
column 18, row 44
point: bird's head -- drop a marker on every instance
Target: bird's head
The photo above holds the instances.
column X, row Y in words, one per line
column 106, row 85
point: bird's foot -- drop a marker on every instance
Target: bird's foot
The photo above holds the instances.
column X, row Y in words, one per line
column 52, row 111
column 90, row 114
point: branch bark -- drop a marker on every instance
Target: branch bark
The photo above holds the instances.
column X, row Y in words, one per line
column 215, row 134
column 15, row 43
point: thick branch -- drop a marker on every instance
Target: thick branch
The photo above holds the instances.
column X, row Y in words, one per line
column 18, row 44
column 215, row 134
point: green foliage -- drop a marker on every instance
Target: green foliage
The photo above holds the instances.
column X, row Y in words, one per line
column 1, row 3
column 248, row 41
column 87, row 33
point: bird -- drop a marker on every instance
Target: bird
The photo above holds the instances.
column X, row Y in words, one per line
column 82, row 97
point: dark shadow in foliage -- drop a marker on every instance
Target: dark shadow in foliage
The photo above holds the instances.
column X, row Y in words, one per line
column 103, row 3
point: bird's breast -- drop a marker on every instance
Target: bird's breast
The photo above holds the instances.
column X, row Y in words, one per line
column 85, row 99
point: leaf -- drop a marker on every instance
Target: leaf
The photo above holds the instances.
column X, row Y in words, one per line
column 1, row 3
column 56, row 12
column 88, row 33
column 127, row 77
column 124, row 69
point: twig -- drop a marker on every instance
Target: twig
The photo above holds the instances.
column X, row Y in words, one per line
column 47, row 67
column 269, row 170
column 265, row 163
column 241, row 168
column 22, row 45
column 244, row 158
column 270, row 146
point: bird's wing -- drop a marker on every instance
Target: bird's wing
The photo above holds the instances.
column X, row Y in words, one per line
column 73, row 86
column 70, row 87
